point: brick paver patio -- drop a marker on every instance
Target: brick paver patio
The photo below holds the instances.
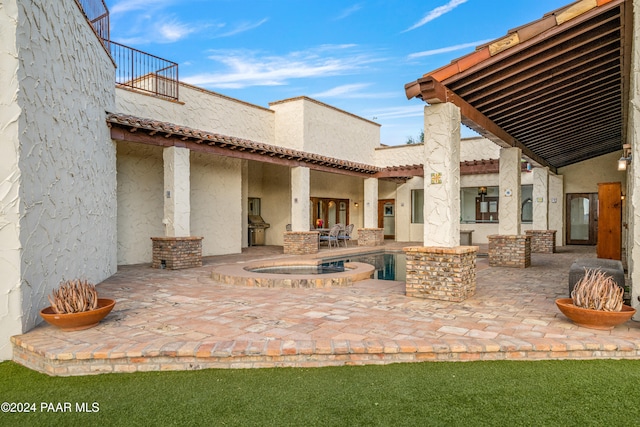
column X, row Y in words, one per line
column 181, row 320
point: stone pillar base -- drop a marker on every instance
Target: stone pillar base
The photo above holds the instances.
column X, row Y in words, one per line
column 301, row 242
column 174, row 253
column 447, row 274
column 370, row 236
column 542, row 241
column 509, row 251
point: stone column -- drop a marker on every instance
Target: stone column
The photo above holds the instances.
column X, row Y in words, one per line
column 442, row 175
column 543, row 240
column 177, row 249
column 510, row 208
column 300, row 240
column 370, row 235
column 541, row 198
column 510, row 248
column 177, row 191
column 633, row 172
column 556, row 207
column 441, row 268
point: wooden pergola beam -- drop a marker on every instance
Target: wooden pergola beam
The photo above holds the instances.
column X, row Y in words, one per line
column 434, row 92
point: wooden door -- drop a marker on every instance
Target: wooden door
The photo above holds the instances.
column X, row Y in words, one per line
column 609, row 220
column 387, row 217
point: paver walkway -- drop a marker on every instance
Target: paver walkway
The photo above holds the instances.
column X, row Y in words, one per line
column 178, row 320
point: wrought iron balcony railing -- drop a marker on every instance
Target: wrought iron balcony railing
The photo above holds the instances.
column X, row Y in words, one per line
column 144, row 72
column 98, row 15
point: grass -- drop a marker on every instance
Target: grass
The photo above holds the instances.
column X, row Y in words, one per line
column 553, row 393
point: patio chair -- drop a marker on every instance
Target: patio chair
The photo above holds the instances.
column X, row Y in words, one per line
column 345, row 236
column 332, row 237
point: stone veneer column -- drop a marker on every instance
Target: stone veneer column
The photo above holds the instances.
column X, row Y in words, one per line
column 441, row 269
column 370, row 235
column 442, row 175
column 633, row 172
column 177, row 191
column 556, row 207
column 177, row 249
column 540, row 198
column 509, row 248
column 510, row 208
column 300, row 241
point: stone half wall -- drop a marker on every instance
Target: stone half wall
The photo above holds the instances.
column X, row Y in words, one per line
column 175, row 253
column 542, row 241
column 370, row 236
column 447, row 274
column 65, row 166
column 510, row 251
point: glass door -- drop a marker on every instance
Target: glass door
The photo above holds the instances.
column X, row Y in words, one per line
column 582, row 218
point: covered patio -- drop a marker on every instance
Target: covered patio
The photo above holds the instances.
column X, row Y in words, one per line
column 183, row 320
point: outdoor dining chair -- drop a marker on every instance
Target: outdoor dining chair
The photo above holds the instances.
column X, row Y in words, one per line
column 332, row 237
column 345, row 235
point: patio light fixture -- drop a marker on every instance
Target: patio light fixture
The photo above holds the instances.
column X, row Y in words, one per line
column 482, row 191
column 626, row 157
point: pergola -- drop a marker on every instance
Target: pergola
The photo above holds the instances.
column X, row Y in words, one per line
column 557, row 87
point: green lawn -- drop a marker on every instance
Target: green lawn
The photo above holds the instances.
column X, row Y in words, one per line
column 566, row 393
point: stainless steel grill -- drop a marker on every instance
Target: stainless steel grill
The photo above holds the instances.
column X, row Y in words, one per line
column 257, row 228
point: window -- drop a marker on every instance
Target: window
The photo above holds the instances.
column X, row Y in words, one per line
column 526, row 197
column 417, row 206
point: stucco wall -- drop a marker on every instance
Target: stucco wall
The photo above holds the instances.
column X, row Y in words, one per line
column 478, row 149
column 309, row 125
column 579, row 177
column 10, row 245
column 204, row 110
column 140, row 201
column 65, row 83
column 399, row 155
column 216, row 203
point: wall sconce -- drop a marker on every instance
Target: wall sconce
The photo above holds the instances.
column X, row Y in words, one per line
column 356, row 204
column 482, row 191
column 626, row 157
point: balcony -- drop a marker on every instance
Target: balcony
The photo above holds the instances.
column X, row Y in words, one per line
column 136, row 70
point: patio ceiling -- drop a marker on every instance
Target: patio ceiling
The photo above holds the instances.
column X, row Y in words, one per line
column 556, row 87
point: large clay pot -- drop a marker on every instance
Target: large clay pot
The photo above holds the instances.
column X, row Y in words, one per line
column 78, row 321
column 594, row 319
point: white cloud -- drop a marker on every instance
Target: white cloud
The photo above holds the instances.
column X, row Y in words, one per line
column 447, row 49
column 249, row 68
column 436, row 13
column 173, row 30
column 131, row 5
column 353, row 91
column 393, row 113
column 349, row 11
column 241, row 28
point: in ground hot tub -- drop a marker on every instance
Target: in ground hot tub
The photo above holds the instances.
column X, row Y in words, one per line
column 288, row 274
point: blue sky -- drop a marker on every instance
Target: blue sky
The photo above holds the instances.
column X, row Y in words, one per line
column 356, row 55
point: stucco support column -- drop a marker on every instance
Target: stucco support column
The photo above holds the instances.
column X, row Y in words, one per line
column 441, row 268
column 177, row 191
column 543, row 239
column 540, row 198
column 633, row 172
column 442, row 175
column 556, row 207
column 300, row 240
column 177, row 249
column 245, row 203
column 370, row 235
column 300, row 195
column 510, row 208
column 509, row 248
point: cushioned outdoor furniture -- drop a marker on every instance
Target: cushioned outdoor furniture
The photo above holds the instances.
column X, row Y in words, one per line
column 332, row 237
column 345, row 236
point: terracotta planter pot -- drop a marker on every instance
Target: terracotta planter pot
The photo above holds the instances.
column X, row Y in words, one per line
column 78, row 321
column 594, row 319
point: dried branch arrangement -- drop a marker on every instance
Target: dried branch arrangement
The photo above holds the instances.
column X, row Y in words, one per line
column 74, row 296
column 597, row 291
